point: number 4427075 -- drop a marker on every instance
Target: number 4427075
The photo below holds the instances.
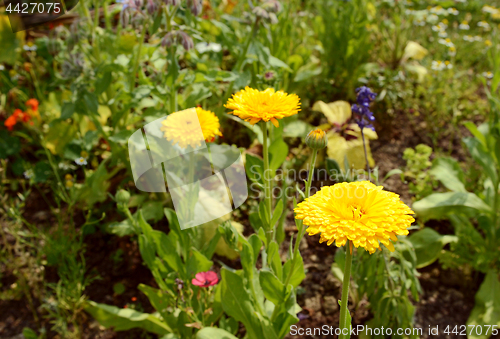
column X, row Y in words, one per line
column 472, row 329
column 34, row 7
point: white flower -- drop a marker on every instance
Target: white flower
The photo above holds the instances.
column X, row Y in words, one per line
column 489, row 9
column 477, row 38
column 468, row 38
column 432, row 18
column 2, row 67
column 443, row 34
column 452, row 51
column 28, row 174
column 453, row 11
column 29, row 48
column 447, row 42
column 487, row 75
column 464, row 26
column 461, row 1
column 81, row 161
column 437, row 65
column 419, row 22
column 484, row 25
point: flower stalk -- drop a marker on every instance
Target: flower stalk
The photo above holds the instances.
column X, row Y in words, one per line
column 344, row 323
column 267, row 181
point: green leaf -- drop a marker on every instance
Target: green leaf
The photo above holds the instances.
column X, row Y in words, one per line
column 8, row 145
column 11, row 42
column 158, row 299
column 152, row 210
column 448, row 171
column 218, row 75
column 118, row 288
column 482, row 157
column 28, row 333
column 121, row 137
column 296, row 129
column 237, row 302
column 42, row 171
column 332, row 166
column 102, row 83
column 197, row 262
column 256, row 244
column 273, row 288
column 475, row 132
column 486, row 311
column 264, row 214
column 122, row 319
column 254, row 167
column 277, row 213
column 298, row 273
column 274, row 259
column 167, row 251
column 67, row 110
column 96, row 186
column 91, row 102
column 439, row 205
column 428, row 245
column 278, row 152
column 214, row 333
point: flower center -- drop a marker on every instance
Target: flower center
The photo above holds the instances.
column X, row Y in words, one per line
column 357, row 211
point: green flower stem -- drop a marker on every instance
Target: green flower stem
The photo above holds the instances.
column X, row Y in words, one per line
column 302, row 229
column 311, row 172
column 345, row 290
column 307, row 194
column 366, row 155
column 267, row 181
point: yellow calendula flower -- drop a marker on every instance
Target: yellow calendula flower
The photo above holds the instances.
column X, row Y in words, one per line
column 182, row 128
column 360, row 212
column 254, row 106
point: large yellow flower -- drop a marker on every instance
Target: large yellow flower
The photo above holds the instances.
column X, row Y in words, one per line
column 360, row 212
column 253, row 105
column 182, row 128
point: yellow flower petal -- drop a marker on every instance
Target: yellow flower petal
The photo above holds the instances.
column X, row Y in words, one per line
column 360, row 212
column 253, row 105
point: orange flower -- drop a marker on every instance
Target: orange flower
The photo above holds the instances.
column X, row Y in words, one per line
column 10, row 122
column 33, row 104
column 18, row 116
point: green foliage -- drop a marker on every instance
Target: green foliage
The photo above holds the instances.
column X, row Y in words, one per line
column 342, row 30
column 417, row 170
column 474, row 246
column 387, row 279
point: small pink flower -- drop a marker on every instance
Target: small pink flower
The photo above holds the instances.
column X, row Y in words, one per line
column 205, row 279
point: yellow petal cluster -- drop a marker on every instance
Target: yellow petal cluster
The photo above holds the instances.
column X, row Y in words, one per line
column 360, row 212
column 254, row 106
column 182, row 129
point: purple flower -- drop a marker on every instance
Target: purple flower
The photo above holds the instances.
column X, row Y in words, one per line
column 362, row 114
column 302, row 316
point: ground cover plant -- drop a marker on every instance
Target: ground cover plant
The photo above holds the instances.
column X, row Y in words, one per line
column 368, row 132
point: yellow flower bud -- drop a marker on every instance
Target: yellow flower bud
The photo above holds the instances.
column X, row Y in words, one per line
column 316, row 139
